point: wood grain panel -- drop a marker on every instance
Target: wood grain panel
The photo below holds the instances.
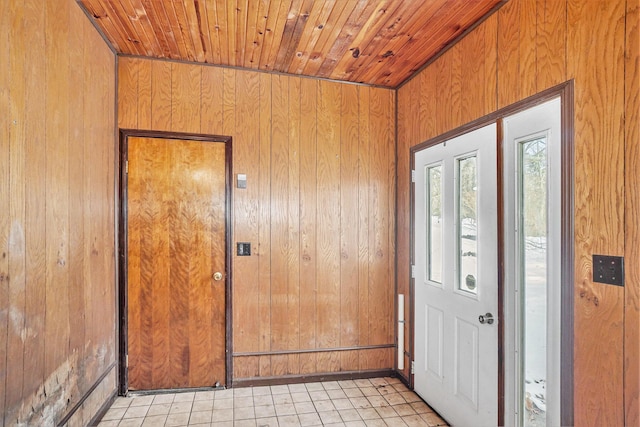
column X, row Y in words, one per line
column 128, row 93
column 364, row 215
column 161, row 95
column 5, row 220
column 293, row 226
column 211, row 101
column 328, row 217
column 376, row 42
column 35, row 158
column 185, row 97
column 349, row 247
column 50, row 352
column 177, row 210
column 309, row 279
column 298, row 141
column 264, row 236
column 16, row 230
column 551, row 44
column 530, row 46
column 57, row 171
column 632, row 210
column 599, row 202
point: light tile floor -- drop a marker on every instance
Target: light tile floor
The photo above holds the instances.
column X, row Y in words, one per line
column 374, row 402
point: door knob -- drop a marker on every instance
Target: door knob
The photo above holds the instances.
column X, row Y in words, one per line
column 217, row 276
column 487, row 318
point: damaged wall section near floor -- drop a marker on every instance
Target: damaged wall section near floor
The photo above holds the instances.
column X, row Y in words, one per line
column 57, row 272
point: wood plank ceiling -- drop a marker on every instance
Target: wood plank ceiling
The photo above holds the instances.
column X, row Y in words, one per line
column 377, row 42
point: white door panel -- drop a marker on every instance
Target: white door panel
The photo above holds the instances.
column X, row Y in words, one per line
column 456, row 358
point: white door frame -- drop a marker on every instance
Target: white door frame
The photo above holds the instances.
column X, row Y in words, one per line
column 565, row 91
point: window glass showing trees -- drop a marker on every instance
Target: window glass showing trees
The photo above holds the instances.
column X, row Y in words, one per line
column 434, row 223
column 533, row 276
column 467, row 224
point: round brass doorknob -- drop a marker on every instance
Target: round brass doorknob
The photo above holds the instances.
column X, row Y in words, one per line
column 217, row 276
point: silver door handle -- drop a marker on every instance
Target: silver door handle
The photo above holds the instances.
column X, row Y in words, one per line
column 487, row 318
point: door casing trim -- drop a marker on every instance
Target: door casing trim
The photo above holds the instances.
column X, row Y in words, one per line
column 564, row 91
column 122, row 249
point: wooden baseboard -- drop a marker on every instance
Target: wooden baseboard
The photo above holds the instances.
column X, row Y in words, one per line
column 297, row 379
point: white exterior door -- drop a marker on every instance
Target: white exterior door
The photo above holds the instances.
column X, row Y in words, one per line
column 456, row 278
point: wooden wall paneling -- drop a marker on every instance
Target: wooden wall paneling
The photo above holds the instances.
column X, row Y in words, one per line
column 17, row 228
column 185, row 97
column 508, row 53
column 211, row 101
column 444, row 119
column 328, row 220
column 308, row 231
column 408, row 121
column 551, row 44
column 391, row 287
column 264, row 225
column 528, row 48
column 472, row 74
column 161, row 95
column 279, row 222
column 364, row 219
column 632, row 210
column 128, row 93
column 57, row 186
column 143, row 103
column 425, row 126
column 457, row 97
column 490, row 28
column 599, row 203
column 75, row 161
column 381, row 300
column 245, row 213
column 293, row 219
column 5, row 193
column 34, row 200
column 349, row 248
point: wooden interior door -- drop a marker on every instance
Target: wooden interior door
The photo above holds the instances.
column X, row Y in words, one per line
column 176, row 263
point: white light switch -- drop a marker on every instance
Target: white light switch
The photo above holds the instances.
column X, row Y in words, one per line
column 242, row 180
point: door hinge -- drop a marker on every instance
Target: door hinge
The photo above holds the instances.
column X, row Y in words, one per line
column 413, row 271
column 126, row 166
column 126, row 361
column 413, row 367
column 413, row 176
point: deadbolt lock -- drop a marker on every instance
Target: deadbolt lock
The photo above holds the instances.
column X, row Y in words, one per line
column 217, row 276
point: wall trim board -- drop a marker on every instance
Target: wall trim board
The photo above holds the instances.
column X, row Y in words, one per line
column 122, row 380
column 88, row 393
column 297, row 379
column 95, row 420
column 312, row 350
column 566, row 92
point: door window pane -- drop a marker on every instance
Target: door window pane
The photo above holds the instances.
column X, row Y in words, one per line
column 434, row 223
column 533, row 253
column 467, row 193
